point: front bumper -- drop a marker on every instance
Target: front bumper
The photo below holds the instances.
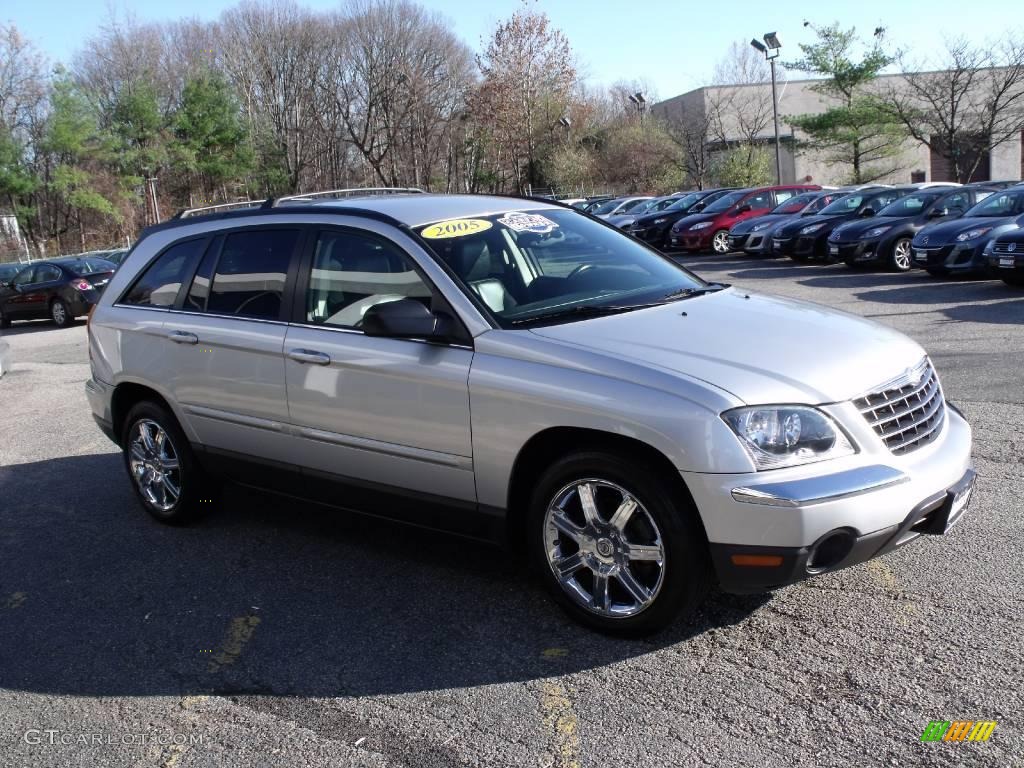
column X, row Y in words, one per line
column 856, row 252
column 654, row 235
column 1003, row 264
column 689, row 240
column 767, row 529
column 949, row 259
column 99, row 395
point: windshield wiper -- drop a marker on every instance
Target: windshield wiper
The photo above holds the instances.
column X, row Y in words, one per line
column 581, row 311
column 689, row 293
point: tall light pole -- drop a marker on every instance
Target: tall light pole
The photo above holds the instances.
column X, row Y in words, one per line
column 640, row 102
column 770, row 48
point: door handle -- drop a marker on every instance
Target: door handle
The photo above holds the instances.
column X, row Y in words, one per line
column 183, row 337
column 309, row 356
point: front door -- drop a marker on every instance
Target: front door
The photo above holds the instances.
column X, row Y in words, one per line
column 26, row 300
column 393, row 412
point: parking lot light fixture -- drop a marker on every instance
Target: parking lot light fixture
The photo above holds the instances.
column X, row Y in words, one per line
column 770, row 48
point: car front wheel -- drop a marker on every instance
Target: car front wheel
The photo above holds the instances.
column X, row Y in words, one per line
column 165, row 475
column 900, row 258
column 720, row 242
column 616, row 546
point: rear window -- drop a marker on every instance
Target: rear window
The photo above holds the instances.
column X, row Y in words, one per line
column 250, row 274
column 91, row 266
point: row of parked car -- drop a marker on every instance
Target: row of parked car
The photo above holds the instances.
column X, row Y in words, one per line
column 60, row 289
column 944, row 228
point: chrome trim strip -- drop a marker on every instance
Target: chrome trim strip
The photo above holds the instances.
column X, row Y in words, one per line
column 234, row 418
column 817, row 490
column 389, row 449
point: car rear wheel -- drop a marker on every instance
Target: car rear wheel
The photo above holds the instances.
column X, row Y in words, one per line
column 60, row 314
column 165, row 474
column 615, row 545
column 720, row 241
column 5, row 321
column 899, row 260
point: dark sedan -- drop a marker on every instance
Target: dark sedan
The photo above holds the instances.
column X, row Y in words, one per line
column 754, row 236
column 654, row 228
column 1006, row 259
column 885, row 238
column 959, row 247
column 59, row 289
column 807, row 238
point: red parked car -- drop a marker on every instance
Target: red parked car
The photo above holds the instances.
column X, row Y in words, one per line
column 709, row 229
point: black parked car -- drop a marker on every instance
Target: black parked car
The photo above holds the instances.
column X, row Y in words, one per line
column 654, row 227
column 885, row 238
column 1006, row 259
column 754, row 236
column 60, row 289
column 807, row 238
column 959, row 246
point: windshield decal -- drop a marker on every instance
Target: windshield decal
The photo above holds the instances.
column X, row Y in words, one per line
column 454, row 228
column 528, row 222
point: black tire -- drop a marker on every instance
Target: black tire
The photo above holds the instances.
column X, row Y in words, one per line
column 1017, row 281
column 197, row 492
column 901, row 260
column 685, row 568
column 937, row 272
column 5, row 321
column 799, row 258
column 60, row 314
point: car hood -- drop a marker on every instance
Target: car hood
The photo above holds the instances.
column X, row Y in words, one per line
column 945, row 232
column 853, row 230
column 793, row 227
column 745, row 226
column 688, row 221
column 648, row 218
column 760, row 348
column 619, row 219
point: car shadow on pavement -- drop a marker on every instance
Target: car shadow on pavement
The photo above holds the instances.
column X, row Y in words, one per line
column 268, row 596
column 34, row 326
column 973, row 293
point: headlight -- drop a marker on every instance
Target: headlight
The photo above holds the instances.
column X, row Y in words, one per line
column 701, row 225
column 787, row 435
column 759, row 227
column 971, row 234
column 812, row 228
column 877, row 231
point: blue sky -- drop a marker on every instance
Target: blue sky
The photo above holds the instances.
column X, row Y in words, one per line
column 672, row 44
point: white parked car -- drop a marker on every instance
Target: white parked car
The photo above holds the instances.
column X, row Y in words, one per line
column 517, row 371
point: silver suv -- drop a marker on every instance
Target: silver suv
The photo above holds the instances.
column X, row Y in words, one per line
column 515, row 370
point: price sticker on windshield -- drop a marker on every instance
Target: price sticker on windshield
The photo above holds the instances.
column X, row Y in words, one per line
column 528, row 222
column 454, row 228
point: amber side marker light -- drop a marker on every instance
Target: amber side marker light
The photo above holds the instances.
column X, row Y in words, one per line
column 764, row 561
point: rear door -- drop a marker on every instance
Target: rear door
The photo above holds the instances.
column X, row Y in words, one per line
column 15, row 304
column 224, row 338
column 387, row 411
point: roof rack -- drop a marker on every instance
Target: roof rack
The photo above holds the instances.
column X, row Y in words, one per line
column 354, row 192
column 184, row 214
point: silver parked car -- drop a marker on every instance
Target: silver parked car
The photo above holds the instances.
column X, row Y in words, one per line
column 514, row 370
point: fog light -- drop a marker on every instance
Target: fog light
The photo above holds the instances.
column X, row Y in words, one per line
column 830, row 550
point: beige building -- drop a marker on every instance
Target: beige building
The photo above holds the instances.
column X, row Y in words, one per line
column 734, row 113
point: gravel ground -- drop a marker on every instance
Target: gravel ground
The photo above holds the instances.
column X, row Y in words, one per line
column 275, row 634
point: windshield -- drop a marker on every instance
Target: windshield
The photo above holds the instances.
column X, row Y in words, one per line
column 90, row 266
column 725, row 202
column 632, row 205
column 795, row 204
column 608, row 207
column 530, row 267
column 999, row 204
column 7, row 271
column 685, row 202
column 911, row 205
column 847, row 204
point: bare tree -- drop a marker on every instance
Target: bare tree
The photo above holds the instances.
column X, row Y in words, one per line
column 966, row 103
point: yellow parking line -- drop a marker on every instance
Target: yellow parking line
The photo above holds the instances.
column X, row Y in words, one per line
column 239, row 633
column 560, row 720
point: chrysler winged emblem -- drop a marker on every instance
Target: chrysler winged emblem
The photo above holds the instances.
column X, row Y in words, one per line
column 1011, row 247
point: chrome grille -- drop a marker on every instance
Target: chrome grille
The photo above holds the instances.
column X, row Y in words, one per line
column 907, row 412
column 1004, row 247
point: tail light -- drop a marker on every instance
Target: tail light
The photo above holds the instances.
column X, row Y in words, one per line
column 81, row 285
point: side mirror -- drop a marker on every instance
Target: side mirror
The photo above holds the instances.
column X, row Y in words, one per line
column 936, row 213
column 744, row 208
column 867, row 212
column 5, row 283
column 698, row 207
column 405, row 319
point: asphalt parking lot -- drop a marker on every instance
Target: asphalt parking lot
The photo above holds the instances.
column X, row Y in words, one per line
column 277, row 634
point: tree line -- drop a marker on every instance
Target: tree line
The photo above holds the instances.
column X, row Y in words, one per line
column 272, row 98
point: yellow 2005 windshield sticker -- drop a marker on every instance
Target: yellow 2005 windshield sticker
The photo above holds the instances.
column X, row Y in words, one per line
column 455, row 228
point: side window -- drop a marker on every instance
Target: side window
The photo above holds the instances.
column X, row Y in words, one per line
column 24, row 277
column 960, row 201
column 783, row 195
column 251, row 271
column 47, row 273
column 159, row 284
column 351, row 272
column 761, row 200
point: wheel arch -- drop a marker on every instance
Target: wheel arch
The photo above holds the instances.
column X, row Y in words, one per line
column 551, row 443
column 125, row 396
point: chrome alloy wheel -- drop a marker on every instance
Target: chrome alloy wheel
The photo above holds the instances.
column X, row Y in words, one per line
column 604, row 548
column 901, row 254
column 720, row 242
column 154, row 464
column 58, row 313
